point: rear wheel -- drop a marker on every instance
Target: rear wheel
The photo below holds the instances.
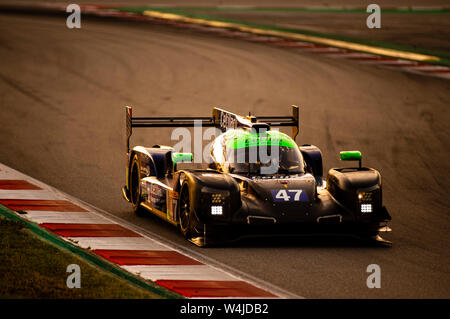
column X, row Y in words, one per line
column 135, row 187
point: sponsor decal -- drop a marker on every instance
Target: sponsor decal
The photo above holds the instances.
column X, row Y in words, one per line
column 158, row 198
column 228, row 120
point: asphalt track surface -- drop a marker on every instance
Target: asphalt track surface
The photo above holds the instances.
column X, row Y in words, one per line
column 62, row 94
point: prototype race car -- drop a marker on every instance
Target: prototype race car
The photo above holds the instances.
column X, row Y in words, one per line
column 244, row 191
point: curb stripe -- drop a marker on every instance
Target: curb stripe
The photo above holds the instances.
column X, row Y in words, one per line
column 16, row 184
column 210, row 288
column 118, row 243
column 33, row 204
column 31, row 194
column 89, row 230
column 179, row 272
column 64, row 218
column 146, row 257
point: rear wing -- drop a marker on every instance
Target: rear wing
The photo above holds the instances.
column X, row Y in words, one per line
column 220, row 119
column 280, row 121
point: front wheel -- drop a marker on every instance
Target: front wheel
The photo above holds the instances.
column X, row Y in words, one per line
column 184, row 215
column 187, row 218
column 135, row 187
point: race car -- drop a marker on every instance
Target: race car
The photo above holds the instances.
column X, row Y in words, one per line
column 258, row 182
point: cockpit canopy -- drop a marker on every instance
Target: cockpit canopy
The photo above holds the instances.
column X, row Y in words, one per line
column 244, row 151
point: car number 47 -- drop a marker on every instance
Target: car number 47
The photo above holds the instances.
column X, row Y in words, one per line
column 289, row 195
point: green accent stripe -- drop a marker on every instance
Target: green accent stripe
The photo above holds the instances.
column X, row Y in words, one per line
column 88, row 256
column 254, row 142
column 243, row 139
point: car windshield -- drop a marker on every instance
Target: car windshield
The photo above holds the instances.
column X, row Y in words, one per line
column 279, row 155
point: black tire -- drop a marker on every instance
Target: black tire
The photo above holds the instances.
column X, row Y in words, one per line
column 135, row 187
column 185, row 212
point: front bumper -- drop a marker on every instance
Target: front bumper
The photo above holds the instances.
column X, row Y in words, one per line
column 324, row 216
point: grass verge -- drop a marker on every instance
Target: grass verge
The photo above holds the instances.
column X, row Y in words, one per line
column 35, row 253
column 33, row 268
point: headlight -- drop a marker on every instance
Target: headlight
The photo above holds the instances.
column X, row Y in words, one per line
column 366, row 208
column 215, row 202
column 365, row 197
column 365, row 200
column 216, row 210
column 217, row 198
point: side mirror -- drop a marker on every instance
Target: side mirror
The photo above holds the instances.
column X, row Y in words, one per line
column 182, row 158
column 351, row 156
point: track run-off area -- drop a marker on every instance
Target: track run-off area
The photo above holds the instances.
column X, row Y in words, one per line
column 62, row 98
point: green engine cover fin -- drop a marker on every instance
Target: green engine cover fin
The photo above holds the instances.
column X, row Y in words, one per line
column 182, row 157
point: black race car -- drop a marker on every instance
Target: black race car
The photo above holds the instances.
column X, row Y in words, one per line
column 258, row 182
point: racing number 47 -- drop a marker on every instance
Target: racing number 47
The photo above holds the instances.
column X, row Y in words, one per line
column 284, row 194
